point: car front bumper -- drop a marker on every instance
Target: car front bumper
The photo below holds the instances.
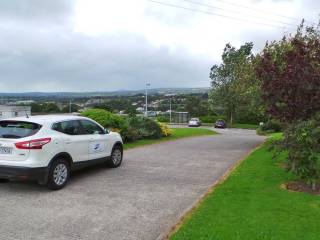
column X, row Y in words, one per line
column 220, row 126
column 24, row 173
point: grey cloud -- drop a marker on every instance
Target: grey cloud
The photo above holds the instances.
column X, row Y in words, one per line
column 74, row 62
column 37, row 54
column 40, row 52
column 35, row 10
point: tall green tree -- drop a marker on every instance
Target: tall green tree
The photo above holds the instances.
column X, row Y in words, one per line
column 234, row 84
column 74, row 108
column 196, row 106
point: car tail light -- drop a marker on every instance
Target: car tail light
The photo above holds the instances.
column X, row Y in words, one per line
column 33, row 144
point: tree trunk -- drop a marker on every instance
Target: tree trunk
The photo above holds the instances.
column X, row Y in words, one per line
column 293, row 166
column 293, row 162
column 231, row 118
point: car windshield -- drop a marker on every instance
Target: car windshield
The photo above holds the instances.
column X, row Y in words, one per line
column 194, row 119
column 18, row 129
column 220, row 121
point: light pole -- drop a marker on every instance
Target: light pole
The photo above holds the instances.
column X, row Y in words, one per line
column 146, row 112
column 170, row 105
column 170, row 110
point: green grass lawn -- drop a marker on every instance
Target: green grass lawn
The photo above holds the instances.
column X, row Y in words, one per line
column 177, row 133
column 251, row 205
column 245, row 126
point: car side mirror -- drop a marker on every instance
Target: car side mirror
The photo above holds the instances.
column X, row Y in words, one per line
column 106, row 131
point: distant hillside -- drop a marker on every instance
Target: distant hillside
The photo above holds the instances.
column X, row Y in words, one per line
column 105, row 94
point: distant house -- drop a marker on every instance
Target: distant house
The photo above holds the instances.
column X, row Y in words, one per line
column 94, row 101
column 155, row 104
column 14, row 111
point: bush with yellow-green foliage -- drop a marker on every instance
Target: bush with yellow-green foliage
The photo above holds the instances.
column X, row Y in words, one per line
column 165, row 129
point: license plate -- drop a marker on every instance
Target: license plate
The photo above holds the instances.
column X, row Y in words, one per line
column 5, row 150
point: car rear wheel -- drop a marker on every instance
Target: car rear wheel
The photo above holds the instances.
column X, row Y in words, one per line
column 59, row 174
column 115, row 159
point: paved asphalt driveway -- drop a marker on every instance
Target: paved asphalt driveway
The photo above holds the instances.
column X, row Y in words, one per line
column 140, row 200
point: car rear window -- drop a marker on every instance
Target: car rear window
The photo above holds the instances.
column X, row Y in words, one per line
column 18, row 129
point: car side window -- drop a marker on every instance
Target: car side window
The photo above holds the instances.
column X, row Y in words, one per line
column 91, row 127
column 72, row 127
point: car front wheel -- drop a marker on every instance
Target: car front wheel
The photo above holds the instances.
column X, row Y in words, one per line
column 115, row 159
column 59, row 174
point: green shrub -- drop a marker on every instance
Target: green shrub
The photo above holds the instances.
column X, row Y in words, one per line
column 270, row 126
column 302, row 142
column 163, row 118
column 131, row 128
column 145, row 127
column 129, row 134
column 105, row 118
column 248, row 118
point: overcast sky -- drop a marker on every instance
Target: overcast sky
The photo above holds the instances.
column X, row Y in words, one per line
column 105, row 45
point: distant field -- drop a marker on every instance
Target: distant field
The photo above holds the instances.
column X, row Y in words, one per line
column 177, row 134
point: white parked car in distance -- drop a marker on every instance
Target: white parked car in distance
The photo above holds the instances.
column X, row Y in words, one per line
column 194, row 122
column 47, row 148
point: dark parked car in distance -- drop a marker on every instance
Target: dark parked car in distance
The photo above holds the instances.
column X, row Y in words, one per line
column 220, row 124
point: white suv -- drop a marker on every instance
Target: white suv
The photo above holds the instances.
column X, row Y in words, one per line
column 48, row 148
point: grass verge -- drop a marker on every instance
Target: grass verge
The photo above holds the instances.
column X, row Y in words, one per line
column 176, row 134
column 251, row 204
